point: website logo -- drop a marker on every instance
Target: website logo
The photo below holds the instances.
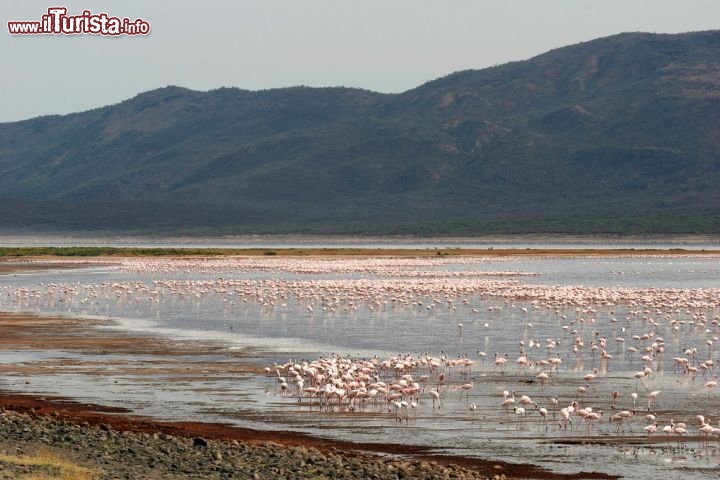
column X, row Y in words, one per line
column 57, row 22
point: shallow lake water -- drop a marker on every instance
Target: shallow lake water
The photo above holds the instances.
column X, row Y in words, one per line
column 449, row 309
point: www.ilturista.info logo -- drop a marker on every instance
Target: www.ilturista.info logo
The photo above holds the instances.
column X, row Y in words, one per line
column 58, row 22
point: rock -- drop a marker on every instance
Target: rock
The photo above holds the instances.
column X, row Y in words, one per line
column 199, row 442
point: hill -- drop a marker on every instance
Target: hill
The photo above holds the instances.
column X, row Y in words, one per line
column 615, row 135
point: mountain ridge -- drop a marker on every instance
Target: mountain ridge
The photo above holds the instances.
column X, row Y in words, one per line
column 614, row 135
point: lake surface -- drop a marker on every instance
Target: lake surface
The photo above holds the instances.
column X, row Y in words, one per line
column 452, row 310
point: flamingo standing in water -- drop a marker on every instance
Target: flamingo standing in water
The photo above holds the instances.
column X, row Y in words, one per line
column 565, row 417
column 650, row 429
column 705, row 431
column 592, row 417
column 638, row 378
column 523, row 363
column 679, row 430
column 622, row 417
column 543, row 416
column 520, row 412
column 435, row 394
column 711, row 385
column 542, row 378
column 590, row 377
column 500, row 362
column 466, row 387
column 525, row 400
column 653, row 399
column 508, row 401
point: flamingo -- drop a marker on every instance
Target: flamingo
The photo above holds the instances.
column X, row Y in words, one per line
column 523, row 364
column 592, row 417
column 622, row 417
column 679, row 431
column 716, row 433
column 590, row 377
column 565, row 417
column 543, row 416
column 404, row 410
column 397, row 408
column 711, row 385
column 435, row 394
column 500, row 362
column 508, row 402
column 542, row 378
column 519, row 412
column 653, row 399
column 466, row 387
column 310, row 391
column 650, row 429
column 525, row 400
column 705, row 431
column 638, row 379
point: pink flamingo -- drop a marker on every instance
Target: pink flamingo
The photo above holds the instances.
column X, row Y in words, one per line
column 466, row 387
column 650, row 429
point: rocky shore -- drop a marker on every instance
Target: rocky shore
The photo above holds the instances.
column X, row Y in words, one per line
column 118, row 444
column 117, row 454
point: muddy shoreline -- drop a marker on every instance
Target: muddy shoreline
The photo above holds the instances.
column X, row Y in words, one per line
column 89, row 415
column 28, row 332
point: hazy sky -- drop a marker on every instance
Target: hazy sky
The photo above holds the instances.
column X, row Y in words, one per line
column 382, row 45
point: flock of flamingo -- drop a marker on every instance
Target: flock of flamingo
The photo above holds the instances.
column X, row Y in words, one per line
column 546, row 358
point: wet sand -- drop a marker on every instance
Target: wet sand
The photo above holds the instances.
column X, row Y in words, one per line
column 12, row 265
column 24, row 332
